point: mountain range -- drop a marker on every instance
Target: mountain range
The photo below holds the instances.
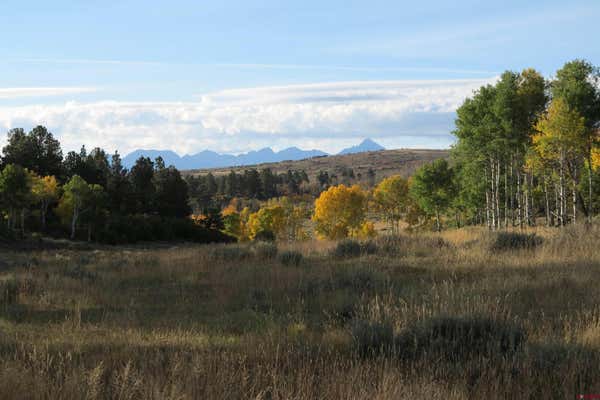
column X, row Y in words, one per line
column 211, row 159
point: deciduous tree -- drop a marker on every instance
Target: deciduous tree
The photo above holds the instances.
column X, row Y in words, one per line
column 45, row 191
column 339, row 211
column 432, row 187
column 391, row 197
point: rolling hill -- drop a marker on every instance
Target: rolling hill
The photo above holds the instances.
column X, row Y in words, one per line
column 383, row 162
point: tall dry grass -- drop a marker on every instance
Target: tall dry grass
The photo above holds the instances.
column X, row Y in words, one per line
column 447, row 316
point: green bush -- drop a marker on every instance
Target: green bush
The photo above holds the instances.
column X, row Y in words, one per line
column 455, row 338
column 265, row 250
column 291, row 258
column 515, row 241
column 347, row 248
column 371, row 338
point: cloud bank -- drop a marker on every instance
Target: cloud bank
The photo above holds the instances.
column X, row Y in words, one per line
column 327, row 116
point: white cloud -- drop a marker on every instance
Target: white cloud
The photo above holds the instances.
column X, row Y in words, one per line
column 326, row 115
column 12, row 93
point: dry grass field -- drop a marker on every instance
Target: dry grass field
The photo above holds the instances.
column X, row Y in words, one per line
column 463, row 315
column 385, row 163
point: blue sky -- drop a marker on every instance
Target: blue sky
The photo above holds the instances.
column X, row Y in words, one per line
column 240, row 75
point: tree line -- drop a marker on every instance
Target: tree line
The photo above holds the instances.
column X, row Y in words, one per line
column 527, row 151
column 527, row 148
column 208, row 192
column 84, row 194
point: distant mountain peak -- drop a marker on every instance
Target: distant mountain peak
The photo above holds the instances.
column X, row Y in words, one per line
column 211, row 159
column 366, row 145
column 368, row 142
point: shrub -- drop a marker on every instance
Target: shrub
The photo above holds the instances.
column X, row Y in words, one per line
column 455, row 338
column 390, row 245
column 356, row 278
column 372, row 338
column 291, row 258
column 347, row 248
column 341, row 306
column 515, row 241
column 368, row 247
column 265, row 250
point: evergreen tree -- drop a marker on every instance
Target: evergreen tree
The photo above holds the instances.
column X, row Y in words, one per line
column 38, row 151
column 141, row 178
column 171, row 193
column 118, row 187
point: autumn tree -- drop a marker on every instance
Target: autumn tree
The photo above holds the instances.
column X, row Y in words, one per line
column 339, row 211
column 391, row 198
column 577, row 83
column 45, row 191
column 76, row 194
column 267, row 221
column 561, row 141
column 295, row 214
column 232, row 222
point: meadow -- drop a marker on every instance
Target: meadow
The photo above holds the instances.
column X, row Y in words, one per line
column 465, row 314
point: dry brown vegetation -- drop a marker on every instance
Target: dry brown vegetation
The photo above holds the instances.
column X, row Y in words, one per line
column 420, row 316
column 385, row 163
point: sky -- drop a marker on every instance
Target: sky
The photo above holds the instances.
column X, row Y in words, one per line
column 234, row 76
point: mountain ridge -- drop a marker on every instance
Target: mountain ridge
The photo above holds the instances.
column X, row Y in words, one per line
column 212, row 159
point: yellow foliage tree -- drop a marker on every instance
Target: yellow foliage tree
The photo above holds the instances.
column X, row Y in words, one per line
column 236, row 223
column 391, row 198
column 596, row 158
column 295, row 215
column 367, row 230
column 267, row 219
column 339, row 211
column 45, row 190
column 562, row 142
